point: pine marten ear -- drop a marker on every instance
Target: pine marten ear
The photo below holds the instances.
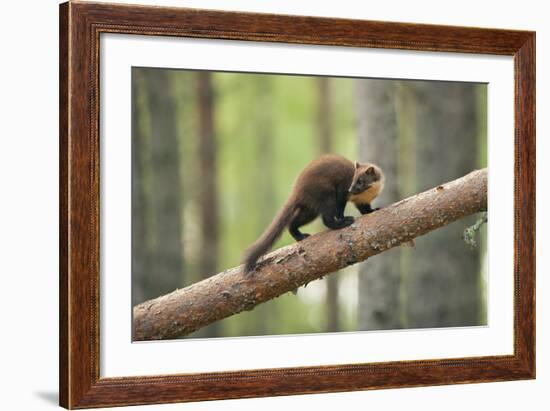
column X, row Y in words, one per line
column 370, row 171
column 356, row 164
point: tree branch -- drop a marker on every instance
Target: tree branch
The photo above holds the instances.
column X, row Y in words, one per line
column 230, row 292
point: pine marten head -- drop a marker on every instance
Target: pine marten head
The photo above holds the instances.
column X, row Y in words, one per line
column 367, row 177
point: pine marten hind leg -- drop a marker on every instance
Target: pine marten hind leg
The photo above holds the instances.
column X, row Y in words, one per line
column 304, row 216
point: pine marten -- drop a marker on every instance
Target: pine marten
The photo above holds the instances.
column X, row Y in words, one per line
column 323, row 188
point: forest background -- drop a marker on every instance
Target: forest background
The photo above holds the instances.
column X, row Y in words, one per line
column 214, row 156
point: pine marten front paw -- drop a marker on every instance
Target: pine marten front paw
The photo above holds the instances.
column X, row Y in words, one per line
column 347, row 221
column 303, row 236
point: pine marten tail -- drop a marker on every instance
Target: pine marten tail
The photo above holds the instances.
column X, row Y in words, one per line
column 270, row 235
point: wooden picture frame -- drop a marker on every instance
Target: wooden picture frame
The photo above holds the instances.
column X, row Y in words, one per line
column 80, row 27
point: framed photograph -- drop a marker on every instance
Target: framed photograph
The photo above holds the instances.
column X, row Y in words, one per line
column 259, row 205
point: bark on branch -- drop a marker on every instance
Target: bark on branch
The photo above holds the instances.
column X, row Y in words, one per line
column 230, row 292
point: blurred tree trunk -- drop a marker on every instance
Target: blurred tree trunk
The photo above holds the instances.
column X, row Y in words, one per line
column 140, row 250
column 208, row 187
column 379, row 276
column 443, row 283
column 166, row 255
column 405, row 113
column 264, row 126
column 185, row 96
column 324, row 123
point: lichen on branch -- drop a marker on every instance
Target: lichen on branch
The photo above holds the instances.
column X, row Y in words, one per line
column 470, row 232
